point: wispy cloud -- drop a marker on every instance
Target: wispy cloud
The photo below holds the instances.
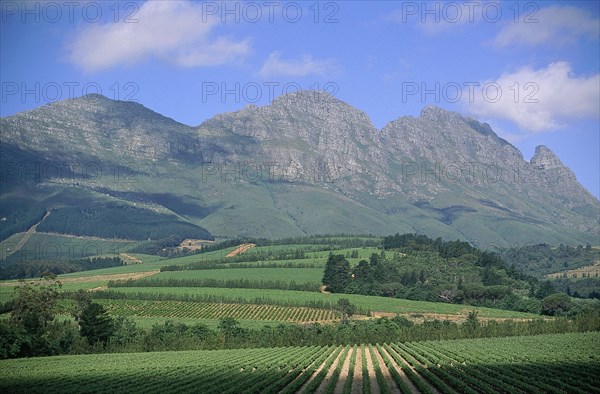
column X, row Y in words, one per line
column 173, row 31
column 539, row 100
column 305, row 65
column 550, row 25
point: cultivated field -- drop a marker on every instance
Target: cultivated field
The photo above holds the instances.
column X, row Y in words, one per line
column 561, row 363
column 239, row 286
column 205, row 310
column 367, row 303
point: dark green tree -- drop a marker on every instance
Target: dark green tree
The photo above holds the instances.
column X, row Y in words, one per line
column 337, row 273
column 346, row 308
column 231, row 330
column 12, row 339
column 374, row 259
column 31, row 325
column 228, row 325
column 556, row 304
column 490, row 277
column 95, row 324
column 82, row 299
column 34, row 306
column 125, row 331
column 471, row 323
column 545, row 290
column 362, row 271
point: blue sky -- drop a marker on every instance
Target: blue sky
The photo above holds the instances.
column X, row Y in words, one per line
column 530, row 69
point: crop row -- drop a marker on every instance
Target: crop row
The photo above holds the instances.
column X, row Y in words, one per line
column 207, row 310
column 563, row 363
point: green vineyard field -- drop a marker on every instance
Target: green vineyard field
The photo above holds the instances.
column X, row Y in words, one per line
column 562, row 363
column 205, row 310
column 369, row 303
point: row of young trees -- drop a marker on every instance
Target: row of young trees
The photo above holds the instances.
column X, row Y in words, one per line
column 213, row 282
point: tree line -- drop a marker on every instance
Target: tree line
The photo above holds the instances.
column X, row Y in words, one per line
column 23, row 269
column 219, row 264
column 212, row 282
column 169, row 246
column 34, row 330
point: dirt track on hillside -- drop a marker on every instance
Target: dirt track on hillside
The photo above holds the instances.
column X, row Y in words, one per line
column 241, row 249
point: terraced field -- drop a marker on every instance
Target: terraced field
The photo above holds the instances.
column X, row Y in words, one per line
column 562, row 363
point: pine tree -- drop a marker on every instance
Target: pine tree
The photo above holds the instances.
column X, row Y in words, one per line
column 337, row 273
column 96, row 325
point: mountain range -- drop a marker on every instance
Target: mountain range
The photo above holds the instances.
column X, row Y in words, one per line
column 307, row 163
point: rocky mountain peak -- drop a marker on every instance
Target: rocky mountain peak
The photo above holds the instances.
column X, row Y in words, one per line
column 95, row 125
column 305, row 97
column 316, row 118
column 545, row 158
column 433, row 112
column 318, row 105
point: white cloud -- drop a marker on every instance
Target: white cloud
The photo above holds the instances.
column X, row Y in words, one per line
column 175, row 31
column 550, row 25
column 300, row 67
column 539, row 100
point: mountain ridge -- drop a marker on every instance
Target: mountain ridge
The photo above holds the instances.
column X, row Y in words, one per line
column 262, row 170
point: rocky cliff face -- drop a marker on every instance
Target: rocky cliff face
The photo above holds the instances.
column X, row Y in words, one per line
column 440, row 172
column 307, row 135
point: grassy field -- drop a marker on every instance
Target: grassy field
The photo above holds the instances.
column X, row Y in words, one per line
column 6, row 293
column 545, row 363
column 299, row 275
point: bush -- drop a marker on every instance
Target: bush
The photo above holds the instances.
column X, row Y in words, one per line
column 556, row 304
